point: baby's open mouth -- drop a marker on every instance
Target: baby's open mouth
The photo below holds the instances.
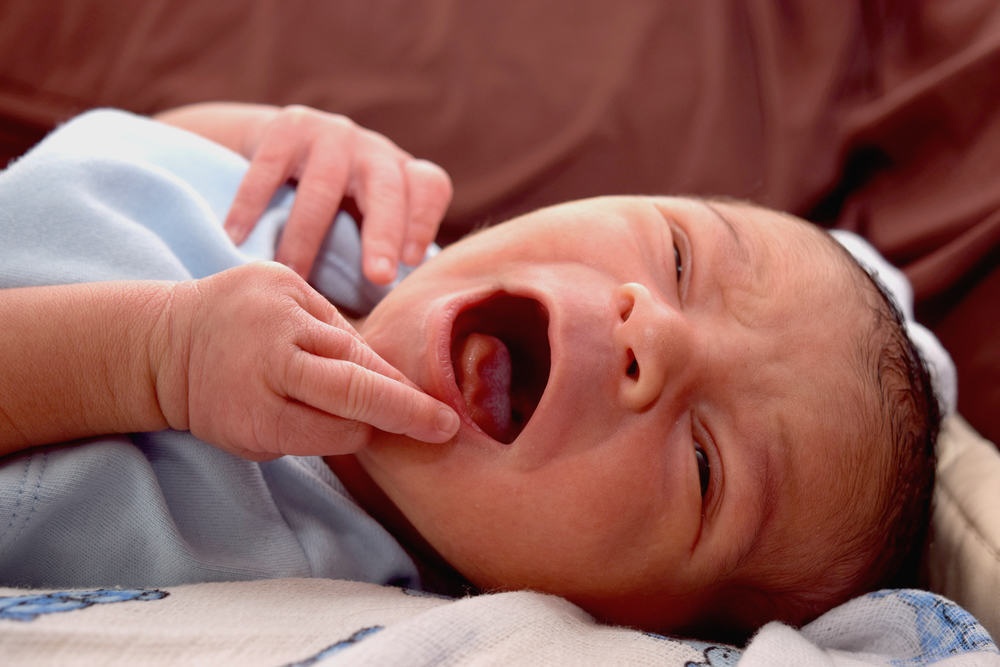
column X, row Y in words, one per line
column 500, row 353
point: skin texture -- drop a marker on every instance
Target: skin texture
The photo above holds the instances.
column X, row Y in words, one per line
column 328, row 157
column 258, row 363
column 252, row 360
column 598, row 499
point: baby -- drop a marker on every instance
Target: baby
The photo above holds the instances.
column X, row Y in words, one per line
column 681, row 414
column 676, row 413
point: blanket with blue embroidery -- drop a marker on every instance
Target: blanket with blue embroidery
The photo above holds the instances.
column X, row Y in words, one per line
column 307, row 621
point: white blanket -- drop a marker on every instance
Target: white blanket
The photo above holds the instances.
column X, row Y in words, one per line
column 306, row 621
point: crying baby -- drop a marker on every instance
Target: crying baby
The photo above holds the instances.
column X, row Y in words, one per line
column 681, row 414
column 676, row 413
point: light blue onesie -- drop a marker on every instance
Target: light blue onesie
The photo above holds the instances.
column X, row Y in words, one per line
column 110, row 196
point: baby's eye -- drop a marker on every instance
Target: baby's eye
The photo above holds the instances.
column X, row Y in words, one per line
column 704, row 470
column 678, row 263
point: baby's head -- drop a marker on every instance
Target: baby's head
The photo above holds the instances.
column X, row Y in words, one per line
column 679, row 414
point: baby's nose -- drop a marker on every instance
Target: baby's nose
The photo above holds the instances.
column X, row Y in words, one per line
column 653, row 341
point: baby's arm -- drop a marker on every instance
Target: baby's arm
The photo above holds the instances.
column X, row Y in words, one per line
column 75, row 361
column 402, row 199
column 252, row 360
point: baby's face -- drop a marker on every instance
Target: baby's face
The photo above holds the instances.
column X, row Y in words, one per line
column 679, row 382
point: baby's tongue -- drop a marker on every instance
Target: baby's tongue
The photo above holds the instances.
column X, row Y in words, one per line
column 483, row 371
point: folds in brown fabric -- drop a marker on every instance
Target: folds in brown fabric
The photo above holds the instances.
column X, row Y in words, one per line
column 882, row 117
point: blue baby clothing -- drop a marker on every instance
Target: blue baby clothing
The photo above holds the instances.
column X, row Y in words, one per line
column 111, row 196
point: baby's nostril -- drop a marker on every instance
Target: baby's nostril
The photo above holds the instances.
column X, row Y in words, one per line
column 633, row 366
column 625, row 308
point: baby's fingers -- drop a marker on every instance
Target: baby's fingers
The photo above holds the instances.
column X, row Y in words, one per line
column 382, row 200
column 317, row 199
column 356, row 393
column 429, row 193
column 269, row 169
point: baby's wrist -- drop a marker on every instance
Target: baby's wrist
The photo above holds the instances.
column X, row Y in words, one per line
column 168, row 353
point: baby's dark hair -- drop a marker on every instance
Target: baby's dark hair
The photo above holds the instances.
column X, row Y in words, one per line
column 909, row 419
column 886, row 551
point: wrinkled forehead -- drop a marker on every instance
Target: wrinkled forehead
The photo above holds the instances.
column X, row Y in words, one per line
column 780, row 234
column 794, row 268
column 830, row 479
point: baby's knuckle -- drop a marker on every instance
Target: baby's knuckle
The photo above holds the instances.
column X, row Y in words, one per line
column 264, row 273
column 341, row 129
column 344, row 345
column 338, row 337
column 386, row 187
column 295, row 113
column 343, row 122
column 269, row 161
column 358, row 394
column 316, row 198
column 293, row 373
column 380, row 143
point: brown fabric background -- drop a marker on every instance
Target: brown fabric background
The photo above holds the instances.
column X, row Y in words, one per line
column 882, row 117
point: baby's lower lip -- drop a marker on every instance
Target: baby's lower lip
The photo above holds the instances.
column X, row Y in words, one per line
column 445, row 384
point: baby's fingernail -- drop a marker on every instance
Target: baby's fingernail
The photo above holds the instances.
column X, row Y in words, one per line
column 234, row 235
column 383, row 268
column 447, row 422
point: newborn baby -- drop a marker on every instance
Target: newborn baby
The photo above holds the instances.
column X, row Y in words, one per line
column 676, row 412
column 681, row 414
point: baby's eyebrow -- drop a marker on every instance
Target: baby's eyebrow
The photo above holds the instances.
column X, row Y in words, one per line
column 750, row 254
column 742, row 247
column 726, row 221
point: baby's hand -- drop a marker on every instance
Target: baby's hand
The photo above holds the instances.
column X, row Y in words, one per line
column 402, row 199
column 256, row 362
